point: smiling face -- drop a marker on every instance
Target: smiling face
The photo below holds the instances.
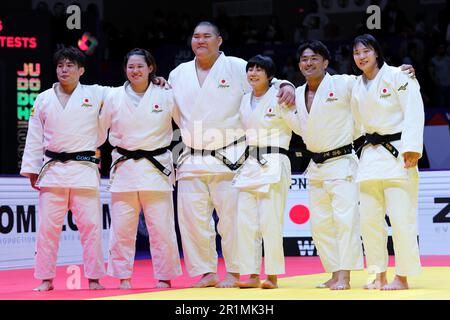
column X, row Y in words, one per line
column 68, row 72
column 312, row 65
column 258, row 79
column 365, row 58
column 138, row 71
column 205, row 41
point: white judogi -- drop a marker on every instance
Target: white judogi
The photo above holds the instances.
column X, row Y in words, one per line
column 209, row 114
column 333, row 192
column 209, row 119
column 137, row 184
column 263, row 188
column 66, row 186
column 391, row 104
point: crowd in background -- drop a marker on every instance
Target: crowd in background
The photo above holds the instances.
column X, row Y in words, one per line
column 405, row 39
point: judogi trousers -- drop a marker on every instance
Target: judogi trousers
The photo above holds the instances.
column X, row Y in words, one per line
column 159, row 219
column 335, row 224
column 53, row 206
column 398, row 198
column 260, row 218
column 197, row 196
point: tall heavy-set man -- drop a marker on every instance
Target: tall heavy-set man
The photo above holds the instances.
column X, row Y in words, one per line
column 208, row 92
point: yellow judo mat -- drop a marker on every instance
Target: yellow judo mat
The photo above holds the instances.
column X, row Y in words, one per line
column 432, row 284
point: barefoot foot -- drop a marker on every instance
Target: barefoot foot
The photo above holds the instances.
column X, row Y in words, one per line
column 125, row 284
column 341, row 285
column 270, row 283
column 330, row 282
column 343, row 282
column 374, row 285
column 207, row 280
column 94, row 284
column 252, row 282
column 327, row 284
column 46, row 285
column 379, row 282
column 399, row 283
column 230, row 281
column 163, row 284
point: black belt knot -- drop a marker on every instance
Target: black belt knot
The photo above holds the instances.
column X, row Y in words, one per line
column 139, row 154
column 384, row 140
column 218, row 155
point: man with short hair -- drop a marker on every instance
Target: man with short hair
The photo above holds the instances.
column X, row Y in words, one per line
column 208, row 92
column 326, row 126
column 59, row 159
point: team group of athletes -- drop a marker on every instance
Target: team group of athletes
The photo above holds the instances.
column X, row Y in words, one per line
column 236, row 121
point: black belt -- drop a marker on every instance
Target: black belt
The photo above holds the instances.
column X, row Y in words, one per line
column 257, row 152
column 385, row 140
column 72, row 156
column 67, row 156
column 216, row 154
column 139, row 154
column 321, row 157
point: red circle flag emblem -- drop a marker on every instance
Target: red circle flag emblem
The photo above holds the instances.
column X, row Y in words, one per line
column 384, row 90
column 86, row 100
column 299, row 214
column 222, row 81
column 156, row 106
column 331, row 94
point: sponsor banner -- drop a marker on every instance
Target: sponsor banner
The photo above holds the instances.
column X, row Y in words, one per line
column 433, row 216
column 19, row 220
column 299, row 246
column 434, row 213
column 305, row 246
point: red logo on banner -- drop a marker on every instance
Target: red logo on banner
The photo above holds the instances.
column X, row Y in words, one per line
column 299, row 214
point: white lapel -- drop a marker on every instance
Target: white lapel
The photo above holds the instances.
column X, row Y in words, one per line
column 373, row 90
column 143, row 104
column 73, row 99
column 126, row 102
column 264, row 107
column 370, row 97
column 208, row 89
column 321, row 93
column 246, row 110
